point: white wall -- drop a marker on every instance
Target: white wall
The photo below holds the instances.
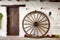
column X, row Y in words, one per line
column 4, row 22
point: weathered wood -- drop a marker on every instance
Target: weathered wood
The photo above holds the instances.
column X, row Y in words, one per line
column 12, row 21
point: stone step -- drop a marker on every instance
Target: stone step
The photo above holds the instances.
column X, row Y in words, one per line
column 23, row 38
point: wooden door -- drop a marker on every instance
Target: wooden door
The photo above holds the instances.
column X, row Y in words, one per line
column 12, row 21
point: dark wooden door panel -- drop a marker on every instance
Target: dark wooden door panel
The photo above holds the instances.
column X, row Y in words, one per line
column 13, row 21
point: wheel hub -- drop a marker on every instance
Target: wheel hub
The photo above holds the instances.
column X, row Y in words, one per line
column 36, row 24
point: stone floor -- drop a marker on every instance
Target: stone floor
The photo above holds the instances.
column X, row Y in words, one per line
column 20, row 38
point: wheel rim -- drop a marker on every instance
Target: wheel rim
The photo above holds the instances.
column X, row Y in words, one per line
column 36, row 23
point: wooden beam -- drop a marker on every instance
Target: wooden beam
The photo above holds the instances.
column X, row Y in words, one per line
column 23, row 5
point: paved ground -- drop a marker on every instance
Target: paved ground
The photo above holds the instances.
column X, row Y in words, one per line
column 19, row 38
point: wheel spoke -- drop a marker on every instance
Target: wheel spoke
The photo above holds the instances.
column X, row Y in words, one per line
column 32, row 30
column 28, row 21
column 45, row 24
column 32, row 17
column 27, row 24
column 37, row 31
column 44, row 27
column 29, row 29
column 39, row 17
column 40, row 30
column 42, row 18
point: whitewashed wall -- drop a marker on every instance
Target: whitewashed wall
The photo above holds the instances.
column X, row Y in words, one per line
column 4, row 22
column 31, row 6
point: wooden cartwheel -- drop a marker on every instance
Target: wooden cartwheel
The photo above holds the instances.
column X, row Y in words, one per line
column 36, row 23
